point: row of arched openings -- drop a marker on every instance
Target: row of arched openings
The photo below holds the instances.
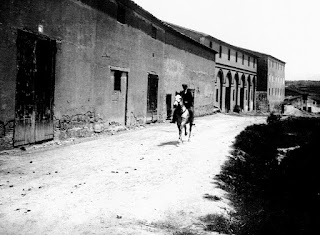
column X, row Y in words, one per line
column 239, row 90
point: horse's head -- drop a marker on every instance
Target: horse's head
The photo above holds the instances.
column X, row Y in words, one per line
column 178, row 101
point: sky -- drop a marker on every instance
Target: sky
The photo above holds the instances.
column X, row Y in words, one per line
column 286, row 29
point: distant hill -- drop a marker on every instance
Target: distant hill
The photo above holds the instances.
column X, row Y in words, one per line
column 308, row 86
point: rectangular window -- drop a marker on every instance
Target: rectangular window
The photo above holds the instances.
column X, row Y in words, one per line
column 248, row 60
column 254, row 62
column 121, row 14
column 229, row 54
column 154, row 32
column 220, row 51
column 269, row 91
column 233, row 95
column 236, row 56
column 210, row 44
column 117, row 80
column 242, row 59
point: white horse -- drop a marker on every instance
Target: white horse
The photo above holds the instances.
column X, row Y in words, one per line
column 183, row 117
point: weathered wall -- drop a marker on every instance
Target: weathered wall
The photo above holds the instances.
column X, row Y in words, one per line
column 262, row 73
column 276, row 84
column 262, row 103
column 182, row 67
column 91, row 44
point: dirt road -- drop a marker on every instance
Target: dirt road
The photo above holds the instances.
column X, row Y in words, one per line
column 135, row 182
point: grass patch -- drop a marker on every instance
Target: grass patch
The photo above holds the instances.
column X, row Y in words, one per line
column 272, row 196
column 218, row 223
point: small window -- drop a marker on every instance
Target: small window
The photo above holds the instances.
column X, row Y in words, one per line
column 269, row 91
column 233, row 95
column 121, row 14
column 236, row 56
column 220, row 51
column 154, row 32
column 248, row 60
column 229, row 54
column 117, row 80
column 210, row 44
column 242, row 59
column 254, row 62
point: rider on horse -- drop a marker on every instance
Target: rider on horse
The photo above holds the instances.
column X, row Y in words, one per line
column 187, row 100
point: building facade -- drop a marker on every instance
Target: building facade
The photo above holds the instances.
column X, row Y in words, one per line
column 72, row 67
column 270, row 83
column 235, row 73
column 302, row 100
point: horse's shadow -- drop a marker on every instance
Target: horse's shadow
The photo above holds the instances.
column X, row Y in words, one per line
column 168, row 143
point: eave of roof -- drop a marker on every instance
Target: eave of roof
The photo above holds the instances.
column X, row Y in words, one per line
column 260, row 54
column 200, row 34
column 155, row 20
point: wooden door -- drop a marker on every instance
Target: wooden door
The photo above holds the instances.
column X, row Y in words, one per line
column 152, row 98
column 35, row 88
column 118, row 111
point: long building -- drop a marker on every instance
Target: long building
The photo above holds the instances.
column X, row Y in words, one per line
column 245, row 79
column 72, row 67
column 235, row 74
column 69, row 68
column 271, row 83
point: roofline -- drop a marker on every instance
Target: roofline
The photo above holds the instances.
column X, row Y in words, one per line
column 134, row 6
column 260, row 54
column 215, row 39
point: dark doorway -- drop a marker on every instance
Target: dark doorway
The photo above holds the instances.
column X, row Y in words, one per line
column 220, row 77
column 249, row 92
column 228, row 93
column 254, row 93
column 168, row 105
column 152, row 98
column 242, row 92
column 237, row 88
column 34, row 89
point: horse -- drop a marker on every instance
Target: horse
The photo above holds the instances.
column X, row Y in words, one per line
column 183, row 117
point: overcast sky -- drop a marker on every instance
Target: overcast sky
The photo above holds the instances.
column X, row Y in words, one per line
column 286, row 29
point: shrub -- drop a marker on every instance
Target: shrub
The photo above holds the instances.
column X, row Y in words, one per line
column 273, row 118
column 272, row 197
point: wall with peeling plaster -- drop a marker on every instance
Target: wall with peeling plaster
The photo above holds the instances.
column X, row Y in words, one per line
column 90, row 44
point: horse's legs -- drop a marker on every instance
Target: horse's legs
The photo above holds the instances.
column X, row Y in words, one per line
column 190, row 128
column 183, row 126
column 180, row 132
